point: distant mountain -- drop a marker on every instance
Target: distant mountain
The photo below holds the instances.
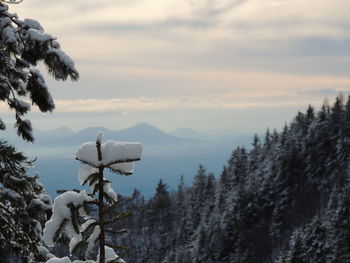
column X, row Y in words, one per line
column 165, row 156
column 142, row 132
column 145, row 133
column 189, row 134
column 87, row 134
column 56, row 133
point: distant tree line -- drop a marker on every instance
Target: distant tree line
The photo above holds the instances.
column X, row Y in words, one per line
column 286, row 199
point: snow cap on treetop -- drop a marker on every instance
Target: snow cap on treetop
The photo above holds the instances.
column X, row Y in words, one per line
column 118, row 156
column 99, row 137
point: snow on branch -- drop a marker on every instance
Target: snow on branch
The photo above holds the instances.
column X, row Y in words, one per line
column 62, row 218
column 11, row 1
column 110, row 255
column 24, row 44
column 118, row 156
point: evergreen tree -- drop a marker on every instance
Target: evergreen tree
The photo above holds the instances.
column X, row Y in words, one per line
column 285, row 200
column 340, row 228
column 24, row 206
column 198, row 194
column 315, row 242
column 160, row 213
column 70, row 214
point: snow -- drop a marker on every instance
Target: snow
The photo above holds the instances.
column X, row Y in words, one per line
column 37, row 73
column 5, row 21
column 92, row 239
column 107, row 188
column 112, row 152
column 123, row 168
column 74, row 241
column 37, row 35
column 119, row 157
column 87, row 224
column 8, row 35
column 44, row 252
column 63, row 57
column 46, row 198
column 55, row 44
column 20, row 103
column 59, row 260
column 36, row 227
column 11, row 193
column 84, row 172
column 3, row 8
column 110, row 255
column 99, row 137
column 62, row 212
column 67, row 260
column 23, row 104
column 31, row 23
column 41, row 82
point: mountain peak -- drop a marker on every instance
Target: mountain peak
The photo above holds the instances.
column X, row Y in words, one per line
column 188, row 133
column 144, row 132
column 144, row 126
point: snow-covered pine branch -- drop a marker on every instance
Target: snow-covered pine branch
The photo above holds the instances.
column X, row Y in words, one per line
column 11, row 1
column 23, row 44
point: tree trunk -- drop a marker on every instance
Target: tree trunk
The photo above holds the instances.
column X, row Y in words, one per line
column 101, row 206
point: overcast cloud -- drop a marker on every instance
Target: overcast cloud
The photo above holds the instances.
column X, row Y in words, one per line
column 165, row 55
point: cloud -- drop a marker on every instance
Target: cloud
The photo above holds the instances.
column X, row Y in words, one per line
column 123, row 106
column 213, row 49
column 284, row 27
column 209, row 90
column 158, row 27
column 237, row 18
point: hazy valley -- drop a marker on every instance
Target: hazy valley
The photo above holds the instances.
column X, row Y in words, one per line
column 166, row 156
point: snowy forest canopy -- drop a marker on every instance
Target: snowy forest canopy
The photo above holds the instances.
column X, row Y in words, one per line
column 286, row 199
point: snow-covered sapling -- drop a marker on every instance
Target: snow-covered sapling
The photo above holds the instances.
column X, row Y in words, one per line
column 70, row 215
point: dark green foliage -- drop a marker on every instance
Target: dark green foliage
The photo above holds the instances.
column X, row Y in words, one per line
column 23, row 206
column 39, row 93
column 24, row 129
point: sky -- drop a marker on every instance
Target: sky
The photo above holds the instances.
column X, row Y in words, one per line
column 216, row 66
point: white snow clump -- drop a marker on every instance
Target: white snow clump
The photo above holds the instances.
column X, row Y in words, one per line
column 112, row 152
column 110, row 255
column 62, row 212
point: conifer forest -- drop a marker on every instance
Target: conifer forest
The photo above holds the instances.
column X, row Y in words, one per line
column 284, row 198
